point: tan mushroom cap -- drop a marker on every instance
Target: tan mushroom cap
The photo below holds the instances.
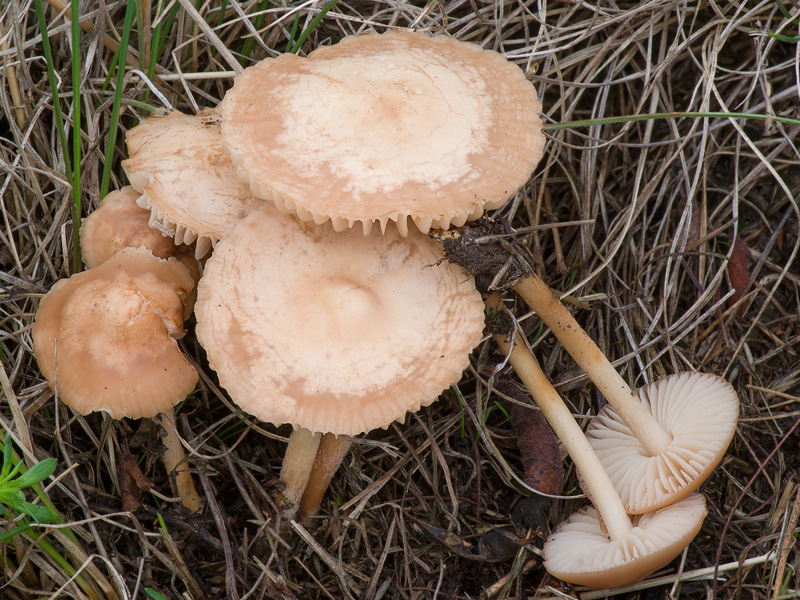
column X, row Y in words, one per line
column 581, row 552
column 119, row 222
column 384, row 127
column 336, row 333
column 186, row 180
column 699, row 410
column 111, row 329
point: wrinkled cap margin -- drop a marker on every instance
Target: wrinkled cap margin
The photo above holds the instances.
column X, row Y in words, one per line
column 185, row 179
column 411, row 127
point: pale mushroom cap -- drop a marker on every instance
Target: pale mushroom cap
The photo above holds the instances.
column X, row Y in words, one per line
column 385, row 127
column 119, row 222
column 580, row 552
column 111, row 329
column 185, row 179
column 699, row 410
column 337, row 333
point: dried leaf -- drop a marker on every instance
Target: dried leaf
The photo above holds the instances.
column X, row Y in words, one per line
column 538, row 445
column 132, row 482
column 738, row 271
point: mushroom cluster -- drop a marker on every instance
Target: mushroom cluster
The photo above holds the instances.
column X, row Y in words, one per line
column 335, row 332
column 643, row 455
column 341, row 332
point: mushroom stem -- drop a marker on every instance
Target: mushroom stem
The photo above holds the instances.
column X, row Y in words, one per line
column 602, row 492
column 594, row 363
column 332, row 450
column 297, row 464
column 175, row 462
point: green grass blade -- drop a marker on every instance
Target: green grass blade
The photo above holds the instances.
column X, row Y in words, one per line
column 51, row 78
column 130, row 13
column 223, row 7
column 111, row 68
column 783, row 10
column 784, row 38
column 12, row 532
column 157, row 43
column 249, row 43
column 311, row 26
column 293, row 32
column 140, row 30
column 76, row 136
column 675, row 115
column 59, row 558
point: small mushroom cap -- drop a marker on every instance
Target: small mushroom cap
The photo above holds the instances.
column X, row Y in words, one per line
column 385, row 127
column 119, row 222
column 337, row 333
column 580, row 551
column 699, row 410
column 186, row 180
column 111, row 329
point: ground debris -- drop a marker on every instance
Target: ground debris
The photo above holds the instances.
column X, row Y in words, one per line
column 486, row 249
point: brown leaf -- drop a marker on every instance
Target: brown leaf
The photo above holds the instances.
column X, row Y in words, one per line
column 132, row 482
column 738, row 271
column 538, row 445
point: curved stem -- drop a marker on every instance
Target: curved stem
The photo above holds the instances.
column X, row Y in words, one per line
column 594, row 363
column 603, row 495
column 175, row 462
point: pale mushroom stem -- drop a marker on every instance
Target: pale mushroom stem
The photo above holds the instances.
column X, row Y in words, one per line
column 297, row 464
column 332, row 450
column 594, row 363
column 175, row 462
column 603, row 494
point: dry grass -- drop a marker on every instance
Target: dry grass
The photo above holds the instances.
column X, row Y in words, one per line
column 667, row 199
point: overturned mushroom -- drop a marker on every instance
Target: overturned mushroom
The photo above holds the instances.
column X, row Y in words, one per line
column 332, row 333
column 105, row 341
column 700, row 412
column 616, row 551
column 671, row 449
column 411, row 126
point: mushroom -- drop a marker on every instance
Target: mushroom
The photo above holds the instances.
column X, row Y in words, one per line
column 186, row 181
column 332, row 333
column 119, row 222
column 615, row 551
column 332, row 449
column 105, row 341
column 411, row 126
